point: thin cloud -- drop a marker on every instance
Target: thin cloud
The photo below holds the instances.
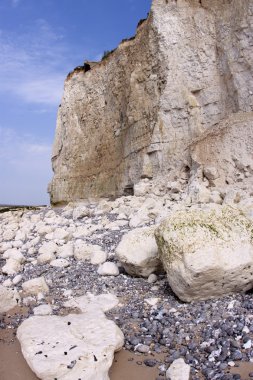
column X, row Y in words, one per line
column 15, row 146
column 45, row 90
column 33, row 65
column 25, row 168
column 15, row 3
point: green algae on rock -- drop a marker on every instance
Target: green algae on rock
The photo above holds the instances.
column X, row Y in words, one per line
column 207, row 253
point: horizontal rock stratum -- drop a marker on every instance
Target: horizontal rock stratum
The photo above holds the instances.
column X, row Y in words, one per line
column 137, row 113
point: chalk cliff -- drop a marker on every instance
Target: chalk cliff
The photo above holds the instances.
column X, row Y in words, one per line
column 149, row 108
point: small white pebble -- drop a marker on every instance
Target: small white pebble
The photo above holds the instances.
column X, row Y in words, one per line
column 108, row 269
column 42, row 310
column 59, row 263
column 27, row 301
column 245, row 329
column 152, row 278
column 67, row 292
column 40, row 296
column 142, row 348
column 231, row 305
column 17, row 279
column 152, row 301
column 247, row 345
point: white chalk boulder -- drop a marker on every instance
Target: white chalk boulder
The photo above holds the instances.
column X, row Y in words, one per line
column 48, row 248
column 65, row 251
column 12, row 267
column 45, row 258
column 8, row 299
column 108, row 269
column 138, row 252
column 43, row 310
column 77, row 346
column 207, row 254
column 84, row 252
column 35, row 286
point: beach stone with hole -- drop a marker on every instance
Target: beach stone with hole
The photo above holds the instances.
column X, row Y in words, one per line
column 207, row 254
column 77, row 346
column 81, row 212
column 60, row 263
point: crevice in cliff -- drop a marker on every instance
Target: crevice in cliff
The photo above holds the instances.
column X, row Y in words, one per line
column 58, row 153
column 230, row 98
column 128, row 190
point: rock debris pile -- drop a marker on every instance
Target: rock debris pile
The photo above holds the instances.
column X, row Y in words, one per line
column 106, row 265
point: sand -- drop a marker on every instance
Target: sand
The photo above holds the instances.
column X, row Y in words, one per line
column 12, row 364
column 14, row 367
column 126, row 365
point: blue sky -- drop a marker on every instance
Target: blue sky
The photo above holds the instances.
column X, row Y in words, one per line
column 40, row 42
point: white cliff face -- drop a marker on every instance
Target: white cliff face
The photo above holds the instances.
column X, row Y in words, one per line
column 134, row 114
column 223, row 154
column 106, row 117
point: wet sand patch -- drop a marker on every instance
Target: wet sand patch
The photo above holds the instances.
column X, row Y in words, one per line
column 126, row 365
column 12, row 363
column 243, row 369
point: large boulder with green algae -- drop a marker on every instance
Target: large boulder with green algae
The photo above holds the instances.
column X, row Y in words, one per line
column 207, row 254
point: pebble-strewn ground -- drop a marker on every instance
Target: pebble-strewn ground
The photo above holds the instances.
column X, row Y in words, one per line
column 210, row 335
